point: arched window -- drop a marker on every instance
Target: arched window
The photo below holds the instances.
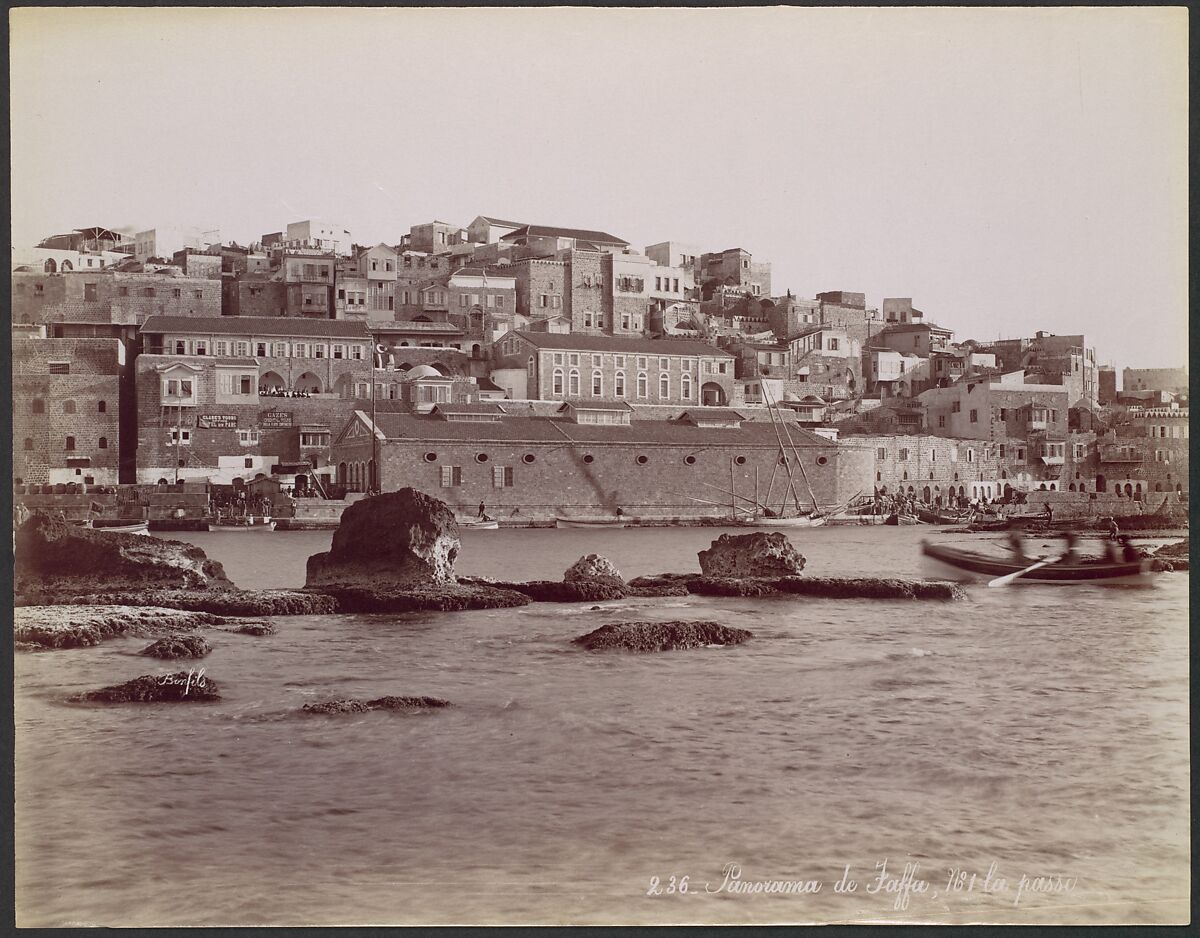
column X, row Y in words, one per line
column 664, row 385
column 103, row 442
column 685, row 386
column 573, row 383
column 70, row 443
column 558, row 381
column 68, row 407
column 38, row 406
column 643, row 385
column 66, row 265
column 597, row 384
column 28, row 443
column 101, row 407
column 619, row 384
column 50, row 267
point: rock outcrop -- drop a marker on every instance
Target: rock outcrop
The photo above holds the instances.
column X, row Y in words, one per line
column 55, row 559
column 395, row 704
column 180, row 687
column 72, row 626
column 823, row 587
column 395, row 553
column 661, row 636
column 398, row 540
column 760, row 554
column 178, row 646
column 591, row 567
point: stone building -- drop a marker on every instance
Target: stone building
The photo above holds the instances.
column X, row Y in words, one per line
column 1056, row 359
column 609, row 368
column 318, row 236
column 254, row 294
column 487, row 230
column 205, row 265
column 589, row 460
column 66, row 410
column 224, row 398
column 735, row 268
column 435, row 237
column 1174, row 380
column 309, row 277
column 548, row 241
column 111, row 297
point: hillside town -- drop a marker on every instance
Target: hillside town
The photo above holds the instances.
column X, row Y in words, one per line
column 522, row 370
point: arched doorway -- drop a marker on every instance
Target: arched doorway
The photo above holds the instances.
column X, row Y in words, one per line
column 1101, row 484
column 476, row 351
column 309, row 382
column 712, row 395
column 926, row 495
column 341, row 473
column 1008, row 490
column 1129, row 489
column 272, row 381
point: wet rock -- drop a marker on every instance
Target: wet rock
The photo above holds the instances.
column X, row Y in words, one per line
column 662, row 589
column 337, row 706
column 396, row 541
column 732, row 586
column 178, row 646
column 661, row 636
column 180, row 687
column 820, row 587
column 77, row 626
column 407, row 704
column 434, row 598
column 231, row 602
column 55, row 559
column 254, row 628
column 583, row 591
column 760, row 554
column 591, row 567
column 1181, row 550
column 394, row 704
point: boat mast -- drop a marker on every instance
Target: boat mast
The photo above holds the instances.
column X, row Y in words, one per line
column 787, row 463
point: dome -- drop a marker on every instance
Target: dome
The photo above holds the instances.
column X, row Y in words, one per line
column 422, row 371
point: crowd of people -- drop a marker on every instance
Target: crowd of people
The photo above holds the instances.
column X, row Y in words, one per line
column 282, row 392
column 231, row 505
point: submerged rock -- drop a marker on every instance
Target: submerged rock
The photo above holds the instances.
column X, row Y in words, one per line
column 1181, row 550
column 395, row 704
column 594, row 590
column 180, row 687
column 56, row 559
column 760, row 554
column 824, row 587
column 178, row 646
column 398, row 540
column 661, row 636
column 254, row 628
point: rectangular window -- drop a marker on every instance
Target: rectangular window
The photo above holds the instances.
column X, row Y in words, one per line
column 89, row 291
column 299, row 350
column 177, row 293
column 675, row 288
column 451, row 476
column 595, row 361
column 60, row 368
column 955, row 407
column 643, row 361
column 242, row 348
column 260, row 348
column 543, row 300
column 356, row 353
column 462, row 300
column 245, row 385
column 903, row 453
column 221, row 348
column 664, row 364
column 974, row 415
column 619, row 361
column 500, row 302
column 557, row 301
column 248, row 437
column 833, row 345
column 558, row 358
column 201, row 347
column 339, row 351
column 180, row 436
column 1020, row 453
column 573, row 358
column 880, row 453
column 1002, row 448
column 319, row 350
column 279, row 350
column 1003, row 413
column 122, row 291
column 502, row 477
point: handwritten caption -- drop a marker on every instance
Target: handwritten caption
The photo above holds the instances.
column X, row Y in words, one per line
column 901, row 882
column 192, row 679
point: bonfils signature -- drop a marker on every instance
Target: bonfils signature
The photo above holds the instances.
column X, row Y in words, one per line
column 192, row 679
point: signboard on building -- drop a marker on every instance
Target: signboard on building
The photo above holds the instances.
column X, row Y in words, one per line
column 217, row 421
column 275, row 420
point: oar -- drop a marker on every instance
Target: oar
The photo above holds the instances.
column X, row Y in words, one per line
column 1008, row 578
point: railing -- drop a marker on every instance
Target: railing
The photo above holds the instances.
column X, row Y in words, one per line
column 1115, row 454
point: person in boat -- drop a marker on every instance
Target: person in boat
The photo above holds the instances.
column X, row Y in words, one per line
column 482, row 516
column 1114, row 530
column 1129, row 553
column 1017, row 545
column 620, row 513
column 1049, row 512
column 1071, row 554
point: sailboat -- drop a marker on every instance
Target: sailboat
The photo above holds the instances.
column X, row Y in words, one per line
column 812, row 518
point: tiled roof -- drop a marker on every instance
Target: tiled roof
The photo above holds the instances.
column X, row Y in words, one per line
column 621, row 406
column 576, row 342
column 502, row 222
column 479, row 272
column 712, row 413
column 548, row 231
column 480, row 408
column 410, row 427
column 256, row 325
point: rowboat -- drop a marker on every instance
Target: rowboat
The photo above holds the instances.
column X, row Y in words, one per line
column 138, row 527
column 579, row 523
column 968, row 566
column 802, row 521
column 896, row 519
column 941, row 516
column 480, row 525
column 243, row 524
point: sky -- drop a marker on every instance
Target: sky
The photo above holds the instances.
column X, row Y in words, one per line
column 1009, row 169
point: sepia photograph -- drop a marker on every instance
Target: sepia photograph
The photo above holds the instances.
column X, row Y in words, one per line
column 600, row 466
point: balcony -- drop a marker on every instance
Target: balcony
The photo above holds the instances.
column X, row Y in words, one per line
column 1120, row 454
